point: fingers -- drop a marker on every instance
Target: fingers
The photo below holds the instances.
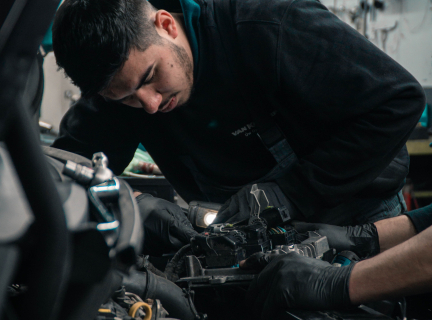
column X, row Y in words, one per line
column 269, row 298
column 136, row 193
column 166, row 226
column 303, row 227
column 176, row 243
column 227, row 210
column 288, row 281
column 142, row 196
column 181, row 231
column 259, row 261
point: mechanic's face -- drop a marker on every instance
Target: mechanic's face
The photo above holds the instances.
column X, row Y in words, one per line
column 158, row 79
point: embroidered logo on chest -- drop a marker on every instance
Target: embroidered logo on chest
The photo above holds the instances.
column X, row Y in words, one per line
column 247, row 130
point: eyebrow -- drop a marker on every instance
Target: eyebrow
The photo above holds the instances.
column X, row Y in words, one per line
column 140, row 84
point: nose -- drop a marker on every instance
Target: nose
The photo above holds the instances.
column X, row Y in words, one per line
column 149, row 98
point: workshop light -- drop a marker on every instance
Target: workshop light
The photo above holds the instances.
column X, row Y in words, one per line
column 209, row 218
column 204, row 217
column 202, row 214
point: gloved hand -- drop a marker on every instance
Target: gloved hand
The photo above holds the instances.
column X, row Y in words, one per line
column 238, row 207
column 294, row 281
column 166, row 227
column 362, row 240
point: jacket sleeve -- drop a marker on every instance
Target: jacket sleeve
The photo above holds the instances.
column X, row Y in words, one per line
column 349, row 108
column 93, row 125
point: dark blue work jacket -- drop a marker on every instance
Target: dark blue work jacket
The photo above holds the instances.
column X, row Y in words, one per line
column 344, row 107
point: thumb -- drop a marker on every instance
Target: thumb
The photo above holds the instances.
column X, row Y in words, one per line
column 303, row 227
column 182, row 232
column 228, row 209
column 257, row 261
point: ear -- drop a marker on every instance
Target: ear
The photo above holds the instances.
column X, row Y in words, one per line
column 165, row 24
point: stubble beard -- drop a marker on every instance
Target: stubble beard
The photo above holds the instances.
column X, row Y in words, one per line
column 185, row 63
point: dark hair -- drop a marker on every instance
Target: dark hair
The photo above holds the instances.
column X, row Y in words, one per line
column 92, row 38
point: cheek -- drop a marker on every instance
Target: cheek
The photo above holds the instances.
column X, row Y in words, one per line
column 166, row 80
column 172, row 78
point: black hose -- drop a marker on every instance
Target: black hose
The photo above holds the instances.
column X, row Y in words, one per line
column 171, row 267
column 27, row 22
column 149, row 286
column 50, row 264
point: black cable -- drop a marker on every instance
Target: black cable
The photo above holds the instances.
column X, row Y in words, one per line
column 147, row 284
column 27, row 23
column 189, row 295
column 50, row 264
column 171, row 266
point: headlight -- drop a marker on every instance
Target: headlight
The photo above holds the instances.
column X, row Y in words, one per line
column 202, row 214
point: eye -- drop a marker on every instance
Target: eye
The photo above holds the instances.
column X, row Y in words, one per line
column 150, row 78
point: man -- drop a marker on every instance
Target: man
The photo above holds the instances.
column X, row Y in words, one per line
column 229, row 93
column 293, row 281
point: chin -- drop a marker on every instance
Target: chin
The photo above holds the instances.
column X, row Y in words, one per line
column 185, row 100
column 182, row 103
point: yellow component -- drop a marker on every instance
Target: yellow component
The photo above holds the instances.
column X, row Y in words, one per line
column 148, row 311
column 422, row 194
column 419, row 147
column 104, row 310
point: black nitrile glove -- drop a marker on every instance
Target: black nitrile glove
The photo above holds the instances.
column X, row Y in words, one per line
column 238, row 207
column 294, row 281
column 166, row 227
column 362, row 240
